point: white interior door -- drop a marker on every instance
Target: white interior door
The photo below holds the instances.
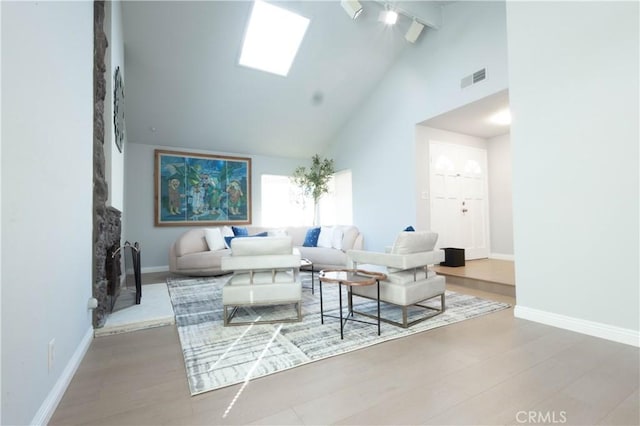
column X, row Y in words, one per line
column 458, row 197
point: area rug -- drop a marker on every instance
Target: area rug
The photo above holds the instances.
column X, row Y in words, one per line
column 217, row 356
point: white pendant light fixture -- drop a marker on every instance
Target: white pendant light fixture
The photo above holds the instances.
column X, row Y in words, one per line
column 414, row 31
column 352, row 7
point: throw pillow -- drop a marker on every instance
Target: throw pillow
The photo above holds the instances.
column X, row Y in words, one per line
column 240, row 231
column 336, row 238
column 227, row 240
column 226, row 231
column 326, row 237
column 409, row 229
column 311, row 239
column 214, row 239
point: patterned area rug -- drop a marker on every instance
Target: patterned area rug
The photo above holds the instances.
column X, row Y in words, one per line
column 217, row 356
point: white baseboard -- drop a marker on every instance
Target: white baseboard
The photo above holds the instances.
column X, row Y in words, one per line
column 149, row 269
column 591, row 328
column 50, row 404
column 500, row 256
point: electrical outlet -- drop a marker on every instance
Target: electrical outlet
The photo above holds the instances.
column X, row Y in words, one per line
column 51, row 358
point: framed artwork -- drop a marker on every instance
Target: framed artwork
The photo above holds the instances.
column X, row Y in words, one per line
column 201, row 189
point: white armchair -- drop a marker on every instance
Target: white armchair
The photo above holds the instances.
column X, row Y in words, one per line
column 266, row 271
column 409, row 280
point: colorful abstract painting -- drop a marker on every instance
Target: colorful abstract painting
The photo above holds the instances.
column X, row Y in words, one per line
column 200, row 189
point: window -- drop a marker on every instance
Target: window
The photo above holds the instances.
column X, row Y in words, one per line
column 272, row 38
column 283, row 203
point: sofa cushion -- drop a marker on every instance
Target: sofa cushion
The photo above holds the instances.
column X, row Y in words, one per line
column 349, row 237
column 414, row 242
column 311, row 239
column 214, row 239
column 324, row 256
column 277, row 233
column 297, row 234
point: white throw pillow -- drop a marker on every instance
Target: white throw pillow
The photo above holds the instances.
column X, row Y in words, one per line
column 226, row 231
column 336, row 238
column 214, row 239
column 325, row 238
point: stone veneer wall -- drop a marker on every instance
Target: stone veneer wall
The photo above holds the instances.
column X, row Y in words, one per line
column 106, row 220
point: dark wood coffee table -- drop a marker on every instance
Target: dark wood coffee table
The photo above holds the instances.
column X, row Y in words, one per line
column 349, row 278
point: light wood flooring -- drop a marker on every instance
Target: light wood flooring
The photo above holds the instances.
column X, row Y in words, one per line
column 494, row 370
column 491, row 275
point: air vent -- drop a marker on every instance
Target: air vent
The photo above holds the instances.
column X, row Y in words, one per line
column 474, row 78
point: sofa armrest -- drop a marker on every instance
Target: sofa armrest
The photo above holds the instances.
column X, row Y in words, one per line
column 398, row 261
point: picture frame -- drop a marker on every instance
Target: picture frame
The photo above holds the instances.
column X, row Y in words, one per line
column 201, row 190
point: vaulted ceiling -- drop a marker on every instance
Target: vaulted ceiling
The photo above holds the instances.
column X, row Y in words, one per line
column 184, row 86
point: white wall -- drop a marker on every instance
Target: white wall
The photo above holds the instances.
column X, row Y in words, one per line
column 114, row 58
column 379, row 144
column 139, row 222
column 47, row 92
column 574, row 99
column 500, row 196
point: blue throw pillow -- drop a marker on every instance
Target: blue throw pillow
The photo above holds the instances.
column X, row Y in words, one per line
column 227, row 241
column 311, row 239
column 261, row 234
column 239, row 231
column 409, row 229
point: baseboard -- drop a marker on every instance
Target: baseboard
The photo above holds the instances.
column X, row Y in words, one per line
column 48, row 407
column 591, row 328
column 149, row 269
column 501, row 256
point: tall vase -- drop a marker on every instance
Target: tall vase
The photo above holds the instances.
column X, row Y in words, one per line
column 316, row 213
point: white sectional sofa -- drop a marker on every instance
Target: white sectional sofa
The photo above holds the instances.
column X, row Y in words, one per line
column 190, row 253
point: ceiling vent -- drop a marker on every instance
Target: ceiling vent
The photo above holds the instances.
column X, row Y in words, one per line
column 474, row 78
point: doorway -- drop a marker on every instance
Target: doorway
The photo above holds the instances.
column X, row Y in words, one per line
column 459, row 207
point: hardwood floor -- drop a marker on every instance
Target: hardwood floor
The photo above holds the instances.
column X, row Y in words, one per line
column 491, row 275
column 493, row 369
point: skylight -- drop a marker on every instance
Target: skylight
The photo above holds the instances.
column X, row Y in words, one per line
column 272, row 39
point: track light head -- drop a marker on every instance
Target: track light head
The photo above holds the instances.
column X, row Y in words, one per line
column 352, row 7
column 388, row 16
column 414, row 31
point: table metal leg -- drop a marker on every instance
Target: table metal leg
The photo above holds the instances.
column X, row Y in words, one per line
column 378, row 281
column 341, row 324
column 312, row 282
column 321, row 308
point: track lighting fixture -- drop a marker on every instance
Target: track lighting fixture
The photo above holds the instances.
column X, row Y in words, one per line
column 414, row 31
column 352, row 7
column 388, row 16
